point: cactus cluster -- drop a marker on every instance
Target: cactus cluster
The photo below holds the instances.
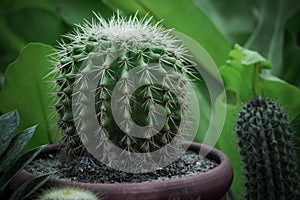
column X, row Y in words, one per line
column 265, row 140
column 123, row 44
column 67, row 193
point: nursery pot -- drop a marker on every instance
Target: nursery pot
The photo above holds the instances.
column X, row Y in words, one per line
column 209, row 185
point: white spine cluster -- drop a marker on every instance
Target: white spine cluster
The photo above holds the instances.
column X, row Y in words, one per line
column 130, row 32
column 68, row 193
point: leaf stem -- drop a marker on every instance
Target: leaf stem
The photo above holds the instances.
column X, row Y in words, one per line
column 254, row 79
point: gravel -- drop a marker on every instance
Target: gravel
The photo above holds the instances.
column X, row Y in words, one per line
column 89, row 170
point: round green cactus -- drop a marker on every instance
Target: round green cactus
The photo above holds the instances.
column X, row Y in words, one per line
column 265, row 139
column 109, row 50
column 67, row 193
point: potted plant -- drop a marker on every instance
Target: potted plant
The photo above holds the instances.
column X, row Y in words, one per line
column 126, row 98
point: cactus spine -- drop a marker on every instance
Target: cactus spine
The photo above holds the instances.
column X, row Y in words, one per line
column 67, row 193
column 139, row 44
column 265, row 139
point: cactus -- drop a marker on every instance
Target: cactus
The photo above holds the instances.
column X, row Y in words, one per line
column 67, row 193
column 124, row 44
column 265, row 140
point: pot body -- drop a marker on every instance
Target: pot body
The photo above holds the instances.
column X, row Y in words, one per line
column 211, row 185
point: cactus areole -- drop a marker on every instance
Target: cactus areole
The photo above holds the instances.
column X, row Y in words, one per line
column 265, row 139
column 124, row 90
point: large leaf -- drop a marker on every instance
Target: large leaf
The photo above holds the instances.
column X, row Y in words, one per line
column 185, row 17
column 15, row 147
column 235, row 19
column 23, row 161
column 8, row 5
column 292, row 50
column 9, row 123
column 29, row 21
column 228, row 144
column 238, row 78
column 208, row 86
column 75, row 11
column 243, row 80
column 268, row 35
column 287, row 95
column 29, row 187
column 1, row 80
column 26, row 21
column 35, row 24
column 128, row 7
column 27, row 90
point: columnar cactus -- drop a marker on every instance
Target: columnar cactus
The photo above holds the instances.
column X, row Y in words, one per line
column 265, row 139
column 123, row 45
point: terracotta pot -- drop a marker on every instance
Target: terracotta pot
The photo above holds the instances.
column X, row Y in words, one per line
column 210, row 185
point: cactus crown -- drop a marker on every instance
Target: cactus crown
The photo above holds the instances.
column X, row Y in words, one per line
column 122, row 45
column 265, row 139
column 67, row 193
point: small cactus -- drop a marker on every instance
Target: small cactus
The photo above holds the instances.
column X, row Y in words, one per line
column 67, row 193
column 139, row 45
column 265, row 140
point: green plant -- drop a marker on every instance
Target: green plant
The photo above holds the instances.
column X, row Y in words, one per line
column 25, row 81
column 67, row 193
column 11, row 146
column 272, row 28
column 119, row 53
column 265, row 139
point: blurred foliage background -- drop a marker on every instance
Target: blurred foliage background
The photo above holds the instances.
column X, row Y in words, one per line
column 270, row 27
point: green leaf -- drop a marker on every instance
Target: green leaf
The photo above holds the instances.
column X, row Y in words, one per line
column 238, row 78
column 1, row 79
column 75, row 11
column 129, row 7
column 17, row 4
column 27, row 89
column 185, row 17
column 267, row 38
column 9, row 123
column 252, row 57
column 293, row 25
column 234, row 19
column 228, row 144
column 292, row 50
column 286, row 94
column 241, row 77
column 15, row 147
column 29, row 187
column 27, row 21
column 208, row 85
column 35, row 24
column 22, row 162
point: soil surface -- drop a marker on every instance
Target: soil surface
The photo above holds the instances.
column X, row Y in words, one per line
column 89, row 170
